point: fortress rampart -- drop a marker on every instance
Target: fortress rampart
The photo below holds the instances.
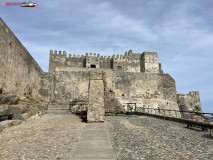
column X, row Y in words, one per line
column 129, row 62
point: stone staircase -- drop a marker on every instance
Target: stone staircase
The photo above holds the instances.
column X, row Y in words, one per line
column 112, row 104
column 58, row 108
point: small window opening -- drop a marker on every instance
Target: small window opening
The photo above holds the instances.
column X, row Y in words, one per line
column 122, row 94
column 93, row 66
column 119, row 67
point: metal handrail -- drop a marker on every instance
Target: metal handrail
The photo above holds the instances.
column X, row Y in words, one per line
column 159, row 111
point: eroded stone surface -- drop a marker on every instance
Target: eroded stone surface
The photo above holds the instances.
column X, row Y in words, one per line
column 19, row 73
column 96, row 112
column 189, row 102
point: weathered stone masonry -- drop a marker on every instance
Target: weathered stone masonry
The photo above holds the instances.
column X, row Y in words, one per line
column 130, row 62
column 129, row 78
column 19, row 73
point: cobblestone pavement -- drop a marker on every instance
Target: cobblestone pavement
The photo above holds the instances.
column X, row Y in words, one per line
column 47, row 137
column 155, row 139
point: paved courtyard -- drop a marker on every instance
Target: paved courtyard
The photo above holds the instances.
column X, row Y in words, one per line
column 64, row 136
column 48, row 137
column 142, row 137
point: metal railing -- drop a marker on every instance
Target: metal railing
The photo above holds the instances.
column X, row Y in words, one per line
column 171, row 113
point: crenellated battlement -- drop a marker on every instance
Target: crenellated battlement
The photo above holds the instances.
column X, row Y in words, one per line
column 130, row 62
column 118, row 57
column 56, row 53
column 64, row 54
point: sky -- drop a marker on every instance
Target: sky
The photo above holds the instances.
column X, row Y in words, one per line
column 181, row 31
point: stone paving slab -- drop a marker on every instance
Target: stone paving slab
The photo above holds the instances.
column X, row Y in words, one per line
column 94, row 144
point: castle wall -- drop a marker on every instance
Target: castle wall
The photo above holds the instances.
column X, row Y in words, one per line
column 47, row 86
column 189, row 102
column 119, row 63
column 78, row 61
column 130, row 62
column 133, row 62
column 19, row 73
column 149, row 63
column 144, row 85
column 106, row 62
column 151, row 90
column 70, row 84
column 92, row 61
column 57, row 60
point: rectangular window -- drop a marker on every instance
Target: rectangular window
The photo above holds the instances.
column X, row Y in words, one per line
column 93, row 66
column 119, row 67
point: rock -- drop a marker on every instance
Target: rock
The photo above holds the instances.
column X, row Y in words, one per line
column 6, row 124
column 16, row 122
column 16, row 110
column 25, row 116
column 9, row 98
column 9, row 123
column 3, row 108
column 19, row 110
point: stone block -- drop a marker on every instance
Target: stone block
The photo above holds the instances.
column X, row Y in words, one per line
column 96, row 112
column 96, row 75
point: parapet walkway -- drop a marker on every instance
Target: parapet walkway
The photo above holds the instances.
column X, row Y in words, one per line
column 94, row 144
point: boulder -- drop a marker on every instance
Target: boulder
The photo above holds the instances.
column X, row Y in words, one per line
column 9, row 98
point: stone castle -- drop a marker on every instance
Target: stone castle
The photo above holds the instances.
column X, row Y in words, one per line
column 99, row 84
column 130, row 62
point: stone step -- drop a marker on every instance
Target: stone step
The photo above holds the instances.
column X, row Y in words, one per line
column 58, row 111
column 58, row 107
